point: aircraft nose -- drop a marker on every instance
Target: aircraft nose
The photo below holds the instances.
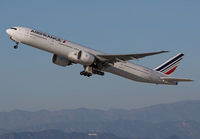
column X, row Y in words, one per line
column 8, row 31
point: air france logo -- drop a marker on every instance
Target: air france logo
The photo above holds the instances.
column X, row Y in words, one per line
column 49, row 36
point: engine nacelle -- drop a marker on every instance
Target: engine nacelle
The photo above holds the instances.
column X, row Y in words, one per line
column 61, row 61
column 82, row 57
column 86, row 58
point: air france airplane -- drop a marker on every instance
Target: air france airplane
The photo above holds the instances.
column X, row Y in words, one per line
column 66, row 53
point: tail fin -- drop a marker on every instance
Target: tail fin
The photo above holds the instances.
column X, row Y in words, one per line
column 170, row 65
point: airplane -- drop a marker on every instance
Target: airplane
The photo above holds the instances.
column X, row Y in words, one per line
column 66, row 53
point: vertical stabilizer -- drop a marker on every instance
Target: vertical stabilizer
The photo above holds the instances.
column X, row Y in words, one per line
column 170, row 65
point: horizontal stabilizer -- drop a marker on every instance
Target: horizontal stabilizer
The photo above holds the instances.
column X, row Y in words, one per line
column 171, row 79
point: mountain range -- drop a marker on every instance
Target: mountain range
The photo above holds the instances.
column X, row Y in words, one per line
column 179, row 120
column 53, row 134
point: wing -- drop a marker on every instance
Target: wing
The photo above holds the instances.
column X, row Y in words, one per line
column 171, row 79
column 126, row 57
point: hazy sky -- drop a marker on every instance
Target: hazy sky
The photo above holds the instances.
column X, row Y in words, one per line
column 30, row 81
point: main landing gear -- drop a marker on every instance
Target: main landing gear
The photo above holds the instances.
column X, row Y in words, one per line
column 98, row 72
column 85, row 73
column 90, row 70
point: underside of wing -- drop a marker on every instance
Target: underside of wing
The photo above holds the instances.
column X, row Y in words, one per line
column 172, row 79
column 126, row 57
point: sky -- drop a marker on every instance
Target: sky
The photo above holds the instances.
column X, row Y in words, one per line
column 30, row 81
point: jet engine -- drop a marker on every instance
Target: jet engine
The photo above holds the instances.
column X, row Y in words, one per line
column 61, row 61
column 85, row 58
column 82, row 57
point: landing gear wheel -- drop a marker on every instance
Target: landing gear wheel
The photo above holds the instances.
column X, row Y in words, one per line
column 89, row 74
column 15, row 47
column 86, row 73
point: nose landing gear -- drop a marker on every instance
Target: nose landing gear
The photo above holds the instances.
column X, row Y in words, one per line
column 16, row 46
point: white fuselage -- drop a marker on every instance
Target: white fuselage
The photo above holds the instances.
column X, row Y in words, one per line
column 65, row 48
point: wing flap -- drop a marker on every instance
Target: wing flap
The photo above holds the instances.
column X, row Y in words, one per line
column 171, row 79
column 126, row 57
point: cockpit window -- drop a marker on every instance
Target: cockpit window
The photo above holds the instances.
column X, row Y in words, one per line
column 14, row 28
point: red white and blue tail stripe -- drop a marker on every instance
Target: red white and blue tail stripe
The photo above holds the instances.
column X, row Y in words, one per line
column 170, row 65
